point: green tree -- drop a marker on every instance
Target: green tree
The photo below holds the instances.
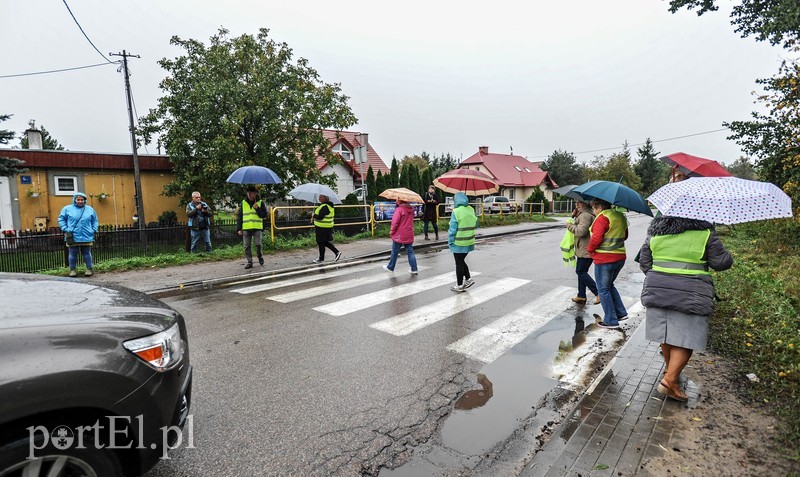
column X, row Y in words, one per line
column 243, row 101
column 441, row 164
column 427, row 179
column 776, row 21
column 562, row 168
column 404, row 179
column 652, row 172
column 9, row 167
column 743, row 168
column 617, row 168
column 380, row 184
column 371, row 184
column 774, row 137
column 48, row 142
column 394, row 177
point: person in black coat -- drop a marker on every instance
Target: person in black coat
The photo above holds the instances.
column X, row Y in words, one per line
column 431, row 199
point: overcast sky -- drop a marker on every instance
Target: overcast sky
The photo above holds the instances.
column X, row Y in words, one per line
column 435, row 76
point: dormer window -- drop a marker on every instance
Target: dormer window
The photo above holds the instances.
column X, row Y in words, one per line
column 527, row 170
column 518, row 168
column 343, row 151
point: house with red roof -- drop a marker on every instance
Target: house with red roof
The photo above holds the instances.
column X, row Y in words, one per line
column 349, row 174
column 517, row 176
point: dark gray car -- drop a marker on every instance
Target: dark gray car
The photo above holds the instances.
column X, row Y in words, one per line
column 94, row 380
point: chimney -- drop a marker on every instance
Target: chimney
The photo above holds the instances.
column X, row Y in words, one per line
column 483, row 149
column 34, row 136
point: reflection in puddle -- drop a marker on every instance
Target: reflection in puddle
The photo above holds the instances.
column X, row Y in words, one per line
column 477, row 397
column 578, row 337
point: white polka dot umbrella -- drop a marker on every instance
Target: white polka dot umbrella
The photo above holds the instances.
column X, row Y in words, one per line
column 722, row 200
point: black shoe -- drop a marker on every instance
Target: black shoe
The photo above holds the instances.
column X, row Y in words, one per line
column 338, row 256
column 608, row 327
column 249, row 265
column 261, row 260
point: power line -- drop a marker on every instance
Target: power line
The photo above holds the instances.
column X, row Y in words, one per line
column 84, row 33
column 57, row 71
column 641, row 143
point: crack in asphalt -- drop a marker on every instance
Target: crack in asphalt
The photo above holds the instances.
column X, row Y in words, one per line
column 389, row 444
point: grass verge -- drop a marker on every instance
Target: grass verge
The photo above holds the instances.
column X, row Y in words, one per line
column 757, row 325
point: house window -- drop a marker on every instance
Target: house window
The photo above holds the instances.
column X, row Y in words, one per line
column 518, row 169
column 65, row 185
column 511, row 193
column 343, row 151
column 527, row 170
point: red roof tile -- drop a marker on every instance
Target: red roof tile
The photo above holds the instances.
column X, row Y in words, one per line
column 509, row 170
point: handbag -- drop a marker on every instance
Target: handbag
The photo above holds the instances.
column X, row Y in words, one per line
column 70, row 238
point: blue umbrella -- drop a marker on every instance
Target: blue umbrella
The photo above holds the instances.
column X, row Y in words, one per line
column 616, row 194
column 253, row 175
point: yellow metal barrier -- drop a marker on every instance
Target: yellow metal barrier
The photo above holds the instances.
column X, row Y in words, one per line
column 275, row 210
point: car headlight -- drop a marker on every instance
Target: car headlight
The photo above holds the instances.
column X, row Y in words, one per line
column 161, row 351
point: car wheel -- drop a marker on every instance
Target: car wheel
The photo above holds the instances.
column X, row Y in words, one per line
column 51, row 462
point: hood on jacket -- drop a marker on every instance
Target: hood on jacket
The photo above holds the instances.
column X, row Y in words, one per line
column 79, row 194
column 460, row 199
column 668, row 225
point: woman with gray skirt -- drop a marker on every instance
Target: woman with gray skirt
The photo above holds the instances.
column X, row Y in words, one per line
column 677, row 257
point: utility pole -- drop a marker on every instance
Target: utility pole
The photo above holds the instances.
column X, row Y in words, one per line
column 137, row 179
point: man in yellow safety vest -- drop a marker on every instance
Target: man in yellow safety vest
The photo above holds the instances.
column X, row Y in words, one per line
column 250, row 225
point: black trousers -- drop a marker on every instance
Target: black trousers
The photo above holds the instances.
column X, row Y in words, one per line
column 462, row 270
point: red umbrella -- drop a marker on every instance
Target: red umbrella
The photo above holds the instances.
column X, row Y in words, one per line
column 468, row 181
column 695, row 166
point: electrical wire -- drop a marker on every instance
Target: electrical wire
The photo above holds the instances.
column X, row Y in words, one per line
column 84, row 33
column 639, row 144
column 55, row 71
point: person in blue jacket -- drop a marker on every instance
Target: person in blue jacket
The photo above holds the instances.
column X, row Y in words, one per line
column 461, row 239
column 78, row 222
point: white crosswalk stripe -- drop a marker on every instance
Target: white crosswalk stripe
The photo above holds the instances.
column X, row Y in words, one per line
column 304, row 279
column 359, row 303
column 333, row 287
column 491, row 341
column 406, row 323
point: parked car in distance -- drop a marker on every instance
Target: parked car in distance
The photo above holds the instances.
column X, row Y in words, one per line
column 495, row 203
column 95, row 380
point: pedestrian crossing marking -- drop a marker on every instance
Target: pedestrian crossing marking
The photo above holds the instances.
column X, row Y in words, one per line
column 493, row 340
column 300, row 280
column 409, row 322
column 363, row 302
column 332, row 287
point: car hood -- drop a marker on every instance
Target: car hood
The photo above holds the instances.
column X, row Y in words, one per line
column 36, row 300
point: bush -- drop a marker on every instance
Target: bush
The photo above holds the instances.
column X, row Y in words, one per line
column 538, row 196
column 168, row 218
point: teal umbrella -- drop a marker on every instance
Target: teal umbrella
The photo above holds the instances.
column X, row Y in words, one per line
column 615, row 194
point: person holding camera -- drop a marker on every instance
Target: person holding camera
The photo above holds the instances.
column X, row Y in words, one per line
column 79, row 223
column 199, row 221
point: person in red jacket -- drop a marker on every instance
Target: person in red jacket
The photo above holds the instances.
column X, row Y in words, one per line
column 607, row 249
column 402, row 234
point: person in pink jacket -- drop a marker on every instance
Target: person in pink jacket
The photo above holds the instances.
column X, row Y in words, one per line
column 402, row 234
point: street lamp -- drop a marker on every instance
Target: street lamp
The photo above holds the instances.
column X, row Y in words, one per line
column 360, row 156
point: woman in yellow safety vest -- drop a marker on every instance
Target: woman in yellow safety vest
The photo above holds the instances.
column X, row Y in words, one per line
column 461, row 239
column 323, row 228
column 677, row 258
column 608, row 233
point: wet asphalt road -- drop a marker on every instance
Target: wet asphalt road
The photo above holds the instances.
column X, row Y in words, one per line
column 282, row 388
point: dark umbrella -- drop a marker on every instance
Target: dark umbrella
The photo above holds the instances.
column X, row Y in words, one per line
column 567, row 191
column 253, row 175
column 694, row 166
column 616, row 194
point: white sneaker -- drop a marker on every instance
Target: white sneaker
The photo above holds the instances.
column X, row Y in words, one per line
column 316, row 260
column 386, row 267
column 458, row 288
column 468, row 283
column 413, row 272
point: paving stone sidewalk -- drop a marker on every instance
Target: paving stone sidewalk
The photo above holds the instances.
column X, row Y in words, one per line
column 616, row 427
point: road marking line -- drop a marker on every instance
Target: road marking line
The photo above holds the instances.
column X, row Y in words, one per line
column 362, row 302
column 332, row 287
column 491, row 341
column 300, row 280
column 406, row 323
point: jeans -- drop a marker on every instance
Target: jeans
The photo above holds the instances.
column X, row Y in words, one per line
column 613, row 308
column 205, row 235
column 584, row 279
column 85, row 250
column 412, row 258
column 250, row 236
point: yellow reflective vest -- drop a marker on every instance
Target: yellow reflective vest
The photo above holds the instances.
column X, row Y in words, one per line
column 614, row 239
column 681, row 254
column 250, row 218
column 465, row 235
column 568, row 247
column 327, row 221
